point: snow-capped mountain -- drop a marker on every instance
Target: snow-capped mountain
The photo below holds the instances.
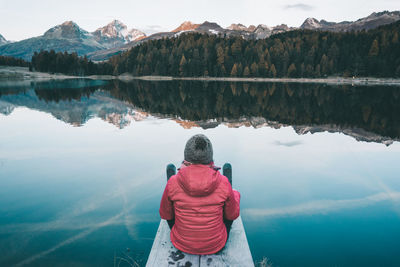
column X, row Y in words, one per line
column 67, row 36
column 116, row 34
column 114, row 29
column 135, row 35
column 372, row 21
column 3, row 40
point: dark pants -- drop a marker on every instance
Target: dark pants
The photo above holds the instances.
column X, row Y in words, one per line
column 228, row 224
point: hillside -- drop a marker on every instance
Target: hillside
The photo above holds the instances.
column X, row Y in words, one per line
column 300, row 53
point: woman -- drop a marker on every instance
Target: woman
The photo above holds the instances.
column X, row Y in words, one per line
column 199, row 199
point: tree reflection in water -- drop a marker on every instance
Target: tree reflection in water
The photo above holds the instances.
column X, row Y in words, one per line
column 361, row 110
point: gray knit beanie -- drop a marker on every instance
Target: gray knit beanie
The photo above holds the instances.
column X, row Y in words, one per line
column 198, row 150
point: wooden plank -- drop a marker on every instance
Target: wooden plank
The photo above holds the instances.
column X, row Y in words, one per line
column 235, row 253
column 163, row 253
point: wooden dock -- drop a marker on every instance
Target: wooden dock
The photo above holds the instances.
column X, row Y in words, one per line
column 235, row 253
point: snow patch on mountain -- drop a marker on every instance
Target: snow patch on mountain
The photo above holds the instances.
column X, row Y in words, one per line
column 118, row 30
column 310, row 24
column 114, row 29
column 135, row 35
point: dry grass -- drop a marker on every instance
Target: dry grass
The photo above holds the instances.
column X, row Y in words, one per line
column 265, row 262
column 125, row 259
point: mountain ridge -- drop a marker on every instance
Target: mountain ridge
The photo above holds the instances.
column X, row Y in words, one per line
column 69, row 37
column 261, row 31
column 374, row 20
column 115, row 37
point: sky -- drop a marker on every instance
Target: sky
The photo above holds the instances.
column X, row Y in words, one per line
column 21, row 19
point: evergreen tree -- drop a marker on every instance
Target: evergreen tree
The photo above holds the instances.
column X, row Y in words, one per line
column 246, row 72
column 272, row 71
column 234, row 70
column 374, row 50
column 254, row 69
column 292, row 70
column 182, row 66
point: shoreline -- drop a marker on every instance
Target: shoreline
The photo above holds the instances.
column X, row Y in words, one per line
column 329, row 80
column 10, row 74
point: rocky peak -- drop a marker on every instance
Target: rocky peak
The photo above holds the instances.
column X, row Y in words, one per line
column 241, row 27
column 372, row 21
column 186, row 26
column 262, row 31
column 282, row 27
column 116, row 31
column 251, row 28
column 385, row 13
column 67, row 30
column 325, row 23
column 310, row 24
column 135, row 35
column 209, row 27
column 382, row 18
column 237, row 27
column 263, row 27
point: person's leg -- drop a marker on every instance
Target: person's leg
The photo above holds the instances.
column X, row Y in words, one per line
column 171, row 170
column 171, row 223
column 228, row 225
column 227, row 171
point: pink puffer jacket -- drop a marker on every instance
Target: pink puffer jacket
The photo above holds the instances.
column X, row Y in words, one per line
column 198, row 197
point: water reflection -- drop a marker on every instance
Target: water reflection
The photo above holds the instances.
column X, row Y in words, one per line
column 366, row 113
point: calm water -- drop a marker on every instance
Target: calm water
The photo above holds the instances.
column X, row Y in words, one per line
column 82, row 168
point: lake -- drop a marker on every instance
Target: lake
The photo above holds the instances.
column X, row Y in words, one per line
column 82, row 168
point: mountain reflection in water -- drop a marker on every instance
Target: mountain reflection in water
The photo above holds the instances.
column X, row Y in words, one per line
column 368, row 113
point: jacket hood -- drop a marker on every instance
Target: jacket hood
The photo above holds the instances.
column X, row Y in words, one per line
column 198, row 180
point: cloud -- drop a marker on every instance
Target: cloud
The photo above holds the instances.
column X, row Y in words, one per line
column 70, row 240
column 288, row 144
column 299, row 6
column 69, row 221
column 323, row 206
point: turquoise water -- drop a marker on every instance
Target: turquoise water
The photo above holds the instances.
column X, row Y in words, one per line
column 82, row 168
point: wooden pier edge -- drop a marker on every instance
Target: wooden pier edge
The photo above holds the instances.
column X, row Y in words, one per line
column 235, row 253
